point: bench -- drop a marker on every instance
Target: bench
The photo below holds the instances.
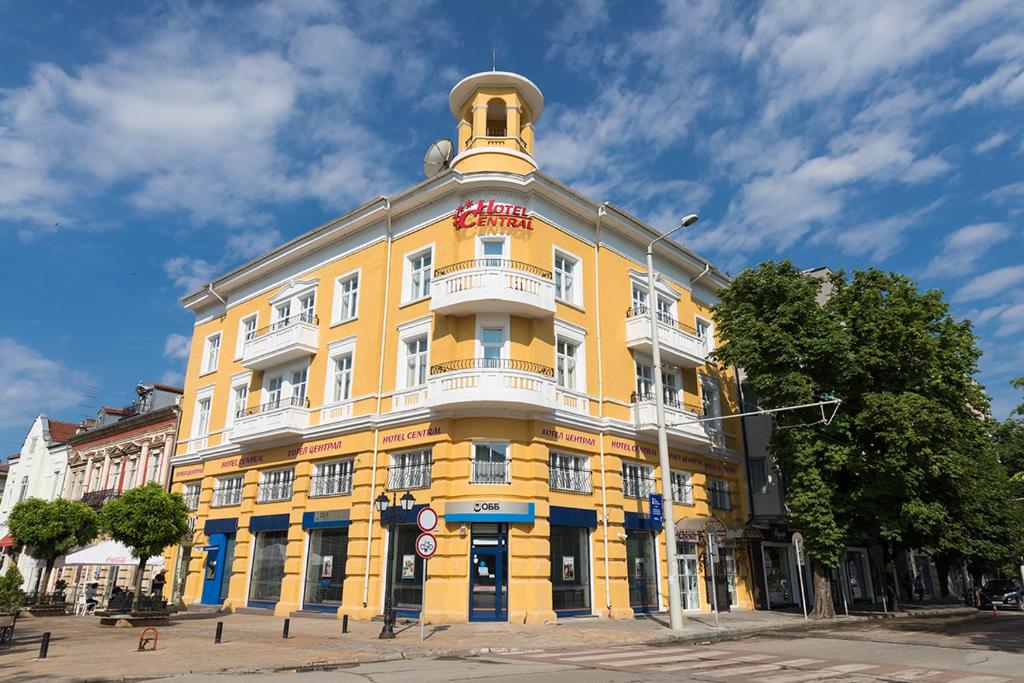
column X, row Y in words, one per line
column 7, row 622
column 122, row 604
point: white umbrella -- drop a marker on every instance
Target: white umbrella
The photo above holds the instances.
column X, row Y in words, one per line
column 110, row 553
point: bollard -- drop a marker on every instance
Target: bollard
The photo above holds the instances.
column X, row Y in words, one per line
column 344, row 623
column 287, row 623
column 220, row 630
column 44, row 646
column 147, row 641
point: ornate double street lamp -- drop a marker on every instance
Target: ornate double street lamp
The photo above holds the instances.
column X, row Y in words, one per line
column 407, row 502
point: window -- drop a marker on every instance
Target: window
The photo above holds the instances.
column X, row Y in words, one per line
column 565, row 278
column 409, row 470
column 153, row 467
column 671, row 388
column 637, row 480
column 705, row 330
column 114, row 475
column 666, row 311
column 227, row 491
column 420, row 271
column 282, row 313
column 307, row 306
column 490, row 464
column 24, row 487
column 212, row 353
column 239, row 397
column 246, row 331
column 639, row 300
column 331, row 479
column 568, row 473
column 758, row 474
column 268, row 566
column 275, row 485
column 492, row 343
column 203, row 417
column 273, row 392
column 711, row 400
column 416, row 360
column 348, row 298
column 718, row 494
column 682, row 487
column 299, row 387
column 190, row 493
column 493, row 252
column 566, row 352
column 132, row 474
column 342, row 377
column 644, row 382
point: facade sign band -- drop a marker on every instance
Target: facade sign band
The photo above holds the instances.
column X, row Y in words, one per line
column 326, row 519
column 221, row 526
column 489, row 511
column 578, row 517
column 268, row 523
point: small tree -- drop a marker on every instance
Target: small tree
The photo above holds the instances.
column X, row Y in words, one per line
column 48, row 530
column 147, row 519
column 11, row 597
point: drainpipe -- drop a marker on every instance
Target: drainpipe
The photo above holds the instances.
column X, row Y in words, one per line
column 750, row 488
column 209, row 287
column 707, row 267
column 380, row 389
column 600, row 410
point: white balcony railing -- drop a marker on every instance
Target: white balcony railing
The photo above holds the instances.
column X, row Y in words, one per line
column 678, row 418
column 270, row 421
column 334, row 412
column 496, row 382
column 573, row 401
column 286, row 340
column 493, row 286
column 680, row 344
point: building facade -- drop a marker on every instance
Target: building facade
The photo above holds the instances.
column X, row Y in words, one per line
column 479, row 342
column 37, row 471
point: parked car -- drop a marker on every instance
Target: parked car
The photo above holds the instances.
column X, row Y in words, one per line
column 1002, row 593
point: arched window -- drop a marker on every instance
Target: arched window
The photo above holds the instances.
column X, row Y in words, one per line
column 496, row 119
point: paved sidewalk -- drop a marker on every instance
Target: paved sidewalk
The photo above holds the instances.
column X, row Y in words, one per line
column 80, row 650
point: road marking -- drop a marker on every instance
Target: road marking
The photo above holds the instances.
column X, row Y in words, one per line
column 556, row 653
column 743, row 671
column 799, row 677
column 800, row 662
column 913, row 674
column 706, row 664
column 850, row 668
column 979, row 679
column 625, row 655
column 643, row 661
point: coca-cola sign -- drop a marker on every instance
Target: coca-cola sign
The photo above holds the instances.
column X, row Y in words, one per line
column 493, row 214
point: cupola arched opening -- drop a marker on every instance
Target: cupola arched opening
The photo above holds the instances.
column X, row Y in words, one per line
column 497, row 119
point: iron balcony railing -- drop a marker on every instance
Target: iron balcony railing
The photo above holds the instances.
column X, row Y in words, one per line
column 637, row 487
column 416, row 476
column 671, row 401
column 569, row 479
column 227, row 496
column 96, row 499
column 304, row 317
column 490, row 472
column 665, row 318
column 191, row 500
column 682, row 493
column 324, row 485
column 492, row 263
column 491, row 364
column 291, row 401
column 269, row 491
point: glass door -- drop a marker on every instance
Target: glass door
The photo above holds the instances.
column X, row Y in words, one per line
column 325, row 569
column 643, row 571
column 488, row 573
column 689, row 582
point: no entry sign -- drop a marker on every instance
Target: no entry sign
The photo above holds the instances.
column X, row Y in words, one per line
column 427, row 519
column 426, row 546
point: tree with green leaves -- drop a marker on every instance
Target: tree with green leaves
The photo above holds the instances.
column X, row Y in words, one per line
column 11, row 596
column 146, row 519
column 889, row 464
column 48, row 530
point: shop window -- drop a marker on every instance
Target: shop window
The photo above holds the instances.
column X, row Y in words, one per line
column 490, row 464
column 569, row 473
column 325, row 568
column 331, row 479
column 570, row 569
column 406, row 568
column 268, row 566
column 275, row 485
column 190, row 492
column 637, row 480
column 682, row 487
column 410, row 470
column 718, row 494
column 227, row 491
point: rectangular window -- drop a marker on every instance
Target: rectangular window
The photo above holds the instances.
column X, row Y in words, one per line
column 420, row 272
column 711, row 402
column 416, row 360
column 644, row 382
column 671, row 388
column 666, row 311
column 154, row 467
column 325, row 568
column 565, row 277
column 409, row 470
column 275, row 485
column 133, row 472
column 24, row 487
column 493, row 251
column 246, row 332
column 705, row 331
column 637, row 480
column 758, row 474
column 190, row 492
column 492, row 341
column 718, row 494
column 114, row 475
column 682, row 487
column 283, row 312
column 569, row 473
column 203, row 419
column 299, row 387
column 227, row 491
column 639, row 300
column 307, row 306
column 268, row 566
column 570, row 569
column 239, row 397
column 212, row 354
column 490, row 464
column 342, row 378
column 331, row 479
column 273, row 392
column 348, row 295
column 566, row 353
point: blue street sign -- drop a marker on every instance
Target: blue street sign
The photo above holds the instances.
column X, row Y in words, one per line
column 656, row 512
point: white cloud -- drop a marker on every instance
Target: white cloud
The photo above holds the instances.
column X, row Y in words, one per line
column 31, row 383
column 991, row 142
column 880, row 239
column 1007, row 193
column 1011, row 320
column 175, row 378
column 189, row 273
column 991, row 283
column 962, row 249
column 177, row 346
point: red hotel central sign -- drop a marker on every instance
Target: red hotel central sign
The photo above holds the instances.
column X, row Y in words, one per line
column 491, row 214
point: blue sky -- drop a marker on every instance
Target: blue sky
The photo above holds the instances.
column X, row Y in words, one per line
column 143, row 151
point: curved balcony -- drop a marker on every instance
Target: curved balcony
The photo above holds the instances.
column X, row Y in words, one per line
column 491, row 382
column 286, row 340
column 281, row 419
column 493, row 285
column 680, row 343
column 678, row 418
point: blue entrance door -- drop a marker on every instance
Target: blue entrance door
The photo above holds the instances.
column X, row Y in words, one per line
column 217, row 568
column 488, row 584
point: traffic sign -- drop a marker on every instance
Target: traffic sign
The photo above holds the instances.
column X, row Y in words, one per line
column 657, row 510
column 798, row 546
column 426, row 545
column 427, row 519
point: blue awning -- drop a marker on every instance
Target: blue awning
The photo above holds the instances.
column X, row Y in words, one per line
column 269, row 522
column 560, row 516
column 221, row 526
column 638, row 522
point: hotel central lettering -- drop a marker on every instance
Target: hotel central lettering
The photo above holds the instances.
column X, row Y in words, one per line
column 491, row 214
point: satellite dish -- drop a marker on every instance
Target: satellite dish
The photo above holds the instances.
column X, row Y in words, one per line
column 437, row 158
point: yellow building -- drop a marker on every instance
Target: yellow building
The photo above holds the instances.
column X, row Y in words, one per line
column 479, row 341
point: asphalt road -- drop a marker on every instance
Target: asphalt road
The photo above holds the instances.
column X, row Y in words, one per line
column 976, row 649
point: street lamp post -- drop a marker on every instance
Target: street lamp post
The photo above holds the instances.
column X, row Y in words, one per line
column 675, row 611
column 407, row 502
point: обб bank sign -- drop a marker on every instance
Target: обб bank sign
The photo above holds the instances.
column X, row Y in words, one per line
column 491, row 214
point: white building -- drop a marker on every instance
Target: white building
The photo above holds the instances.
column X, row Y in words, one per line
column 37, row 471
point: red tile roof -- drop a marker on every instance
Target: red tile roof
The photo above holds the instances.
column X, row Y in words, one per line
column 62, row 431
column 113, row 411
column 168, row 387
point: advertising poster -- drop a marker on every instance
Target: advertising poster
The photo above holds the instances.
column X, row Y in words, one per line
column 568, row 568
column 328, row 569
column 408, row 566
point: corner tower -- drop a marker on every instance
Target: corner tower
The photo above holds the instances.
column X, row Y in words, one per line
column 496, row 111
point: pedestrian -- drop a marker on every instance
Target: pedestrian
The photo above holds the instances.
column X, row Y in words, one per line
column 919, row 588
column 158, row 584
column 90, row 596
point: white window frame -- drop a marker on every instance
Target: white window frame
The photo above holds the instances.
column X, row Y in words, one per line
column 646, row 482
column 492, row 322
column 682, row 481
column 240, row 343
column 345, row 472
column 722, row 486
column 342, row 347
column 209, row 366
column 406, row 333
column 664, row 293
column 285, row 372
column 493, row 239
column 554, row 458
column 239, row 380
column 709, row 336
column 219, row 488
column 287, row 483
column 340, row 314
column 407, row 291
column 395, row 483
column 713, row 428
column 508, row 462
column 577, row 277
column 191, row 499
column 578, row 336
column 204, row 394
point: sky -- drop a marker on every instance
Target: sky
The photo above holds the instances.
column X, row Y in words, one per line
column 147, row 147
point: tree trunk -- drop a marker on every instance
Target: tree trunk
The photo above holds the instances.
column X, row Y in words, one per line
column 45, row 581
column 823, row 607
column 138, row 584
